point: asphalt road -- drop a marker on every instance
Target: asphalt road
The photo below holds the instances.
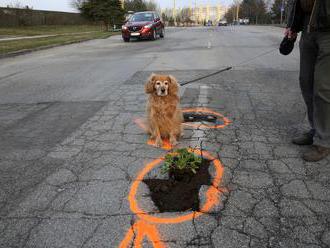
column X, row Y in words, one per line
column 88, row 71
column 70, row 150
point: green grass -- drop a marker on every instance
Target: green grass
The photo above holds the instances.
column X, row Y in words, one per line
column 44, row 30
column 19, row 45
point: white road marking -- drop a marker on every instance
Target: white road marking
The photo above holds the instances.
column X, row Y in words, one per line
column 199, row 135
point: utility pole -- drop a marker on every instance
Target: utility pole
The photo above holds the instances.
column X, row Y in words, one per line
column 190, row 12
column 207, row 12
column 195, row 11
column 282, row 10
column 237, row 2
column 174, row 12
column 234, row 16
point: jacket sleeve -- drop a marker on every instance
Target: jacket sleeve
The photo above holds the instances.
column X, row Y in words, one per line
column 323, row 16
column 296, row 16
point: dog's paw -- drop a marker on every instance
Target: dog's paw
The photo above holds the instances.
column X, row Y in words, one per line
column 159, row 143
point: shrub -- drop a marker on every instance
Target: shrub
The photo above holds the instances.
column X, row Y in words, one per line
column 181, row 160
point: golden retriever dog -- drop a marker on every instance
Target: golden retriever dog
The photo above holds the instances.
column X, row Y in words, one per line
column 164, row 115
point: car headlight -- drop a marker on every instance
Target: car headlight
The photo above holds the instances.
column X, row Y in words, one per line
column 124, row 27
column 148, row 26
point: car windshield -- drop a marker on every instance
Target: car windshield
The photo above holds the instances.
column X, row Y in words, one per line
column 142, row 17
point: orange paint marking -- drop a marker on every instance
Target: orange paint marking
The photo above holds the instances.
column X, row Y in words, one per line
column 211, row 198
column 226, row 121
column 166, row 143
column 140, row 230
column 145, row 227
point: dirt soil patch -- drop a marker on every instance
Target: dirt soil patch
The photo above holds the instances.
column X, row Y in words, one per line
column 178, row 196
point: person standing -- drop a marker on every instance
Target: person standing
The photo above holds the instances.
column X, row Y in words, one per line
column 312, row 18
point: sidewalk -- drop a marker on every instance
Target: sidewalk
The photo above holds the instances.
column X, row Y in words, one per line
column 41, row 36
column 267, row 197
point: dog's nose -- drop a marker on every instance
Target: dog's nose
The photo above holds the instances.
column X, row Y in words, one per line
column 163, row 90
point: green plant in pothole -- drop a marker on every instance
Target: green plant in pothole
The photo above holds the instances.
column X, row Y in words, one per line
column 181, row 161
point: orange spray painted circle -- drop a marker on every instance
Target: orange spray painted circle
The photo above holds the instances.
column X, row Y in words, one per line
column 212, row 195
column 166, row 144
column 225, row 120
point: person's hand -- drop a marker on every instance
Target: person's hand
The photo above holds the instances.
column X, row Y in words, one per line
column 290, row 34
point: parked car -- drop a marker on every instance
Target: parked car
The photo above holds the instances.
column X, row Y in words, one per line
column 222, row 23
column 143, row 25
column 244, row 21
column 209, row 23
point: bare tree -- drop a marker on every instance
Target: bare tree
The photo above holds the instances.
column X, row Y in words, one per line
column 77, row 3
column 18, row 5
column 140, row 5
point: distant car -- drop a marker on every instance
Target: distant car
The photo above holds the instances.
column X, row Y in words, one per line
column 245, row 21
column 143, row 25
column 209, row 23
column 222, row 23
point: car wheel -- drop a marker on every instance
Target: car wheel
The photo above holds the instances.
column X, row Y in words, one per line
column 154, row 35
column 126, row 39
column 162, row 33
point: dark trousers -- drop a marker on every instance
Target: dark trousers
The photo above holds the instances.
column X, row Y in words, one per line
column 315, row 83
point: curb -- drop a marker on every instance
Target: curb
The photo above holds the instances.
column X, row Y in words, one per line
column 26, row 51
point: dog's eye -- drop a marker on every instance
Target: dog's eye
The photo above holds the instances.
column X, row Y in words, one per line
column 158, row 83
column 166, row 83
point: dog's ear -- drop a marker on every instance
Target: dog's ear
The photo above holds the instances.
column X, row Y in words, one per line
column 149, row 87
column 174, row 85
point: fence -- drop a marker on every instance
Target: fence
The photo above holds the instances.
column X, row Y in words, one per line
column 11, row 17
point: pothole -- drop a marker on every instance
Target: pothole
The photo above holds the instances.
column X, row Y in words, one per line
column 198, row 117
column 171, row 195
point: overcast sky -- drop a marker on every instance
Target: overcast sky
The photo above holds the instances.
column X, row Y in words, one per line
column 64, row 5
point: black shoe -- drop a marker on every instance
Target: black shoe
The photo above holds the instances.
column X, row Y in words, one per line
column 305, row 139
column 316, row 154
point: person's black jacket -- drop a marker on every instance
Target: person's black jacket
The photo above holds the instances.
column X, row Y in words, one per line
column 319, row 20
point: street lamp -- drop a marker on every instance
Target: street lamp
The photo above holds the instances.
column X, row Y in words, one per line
column 174, row 12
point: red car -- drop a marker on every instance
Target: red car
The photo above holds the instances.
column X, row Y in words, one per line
column 143, row 25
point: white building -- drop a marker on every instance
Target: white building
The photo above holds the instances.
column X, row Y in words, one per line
column 201, row 13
